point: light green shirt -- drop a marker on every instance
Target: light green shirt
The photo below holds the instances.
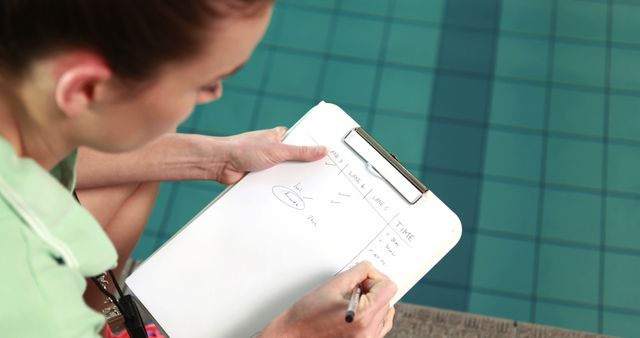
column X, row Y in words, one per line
column 48, row 244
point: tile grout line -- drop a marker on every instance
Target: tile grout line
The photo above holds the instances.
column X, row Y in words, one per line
column 543, row 163
column 326, row 54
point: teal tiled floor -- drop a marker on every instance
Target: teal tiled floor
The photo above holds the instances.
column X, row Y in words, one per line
column 523, row 116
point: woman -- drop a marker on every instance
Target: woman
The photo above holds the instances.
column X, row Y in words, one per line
column 116, row 76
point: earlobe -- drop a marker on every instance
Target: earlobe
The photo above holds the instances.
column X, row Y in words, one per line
column 76, row 87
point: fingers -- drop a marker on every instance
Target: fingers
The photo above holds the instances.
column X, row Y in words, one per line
column 280, row 131
column 387, row 323
column 303, row 153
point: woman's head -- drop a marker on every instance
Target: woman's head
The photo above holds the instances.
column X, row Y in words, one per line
column 136, row 67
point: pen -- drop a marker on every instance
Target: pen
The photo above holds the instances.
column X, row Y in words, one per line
column 353, row 304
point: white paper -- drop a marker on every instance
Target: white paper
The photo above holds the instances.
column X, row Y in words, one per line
column 281, row 232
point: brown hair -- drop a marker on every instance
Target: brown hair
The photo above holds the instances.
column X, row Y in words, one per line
column 135, row 36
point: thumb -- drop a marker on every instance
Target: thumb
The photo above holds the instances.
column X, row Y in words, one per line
column 303, row 153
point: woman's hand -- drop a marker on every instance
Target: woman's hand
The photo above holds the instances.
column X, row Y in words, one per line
column 321, row 313
column 259, row 150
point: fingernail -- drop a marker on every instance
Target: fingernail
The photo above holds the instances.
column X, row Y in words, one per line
column 320, row 150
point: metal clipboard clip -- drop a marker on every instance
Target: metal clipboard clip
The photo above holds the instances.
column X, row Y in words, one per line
column 385, row 164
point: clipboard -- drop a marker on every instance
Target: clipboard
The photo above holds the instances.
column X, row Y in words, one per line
column 278, row 233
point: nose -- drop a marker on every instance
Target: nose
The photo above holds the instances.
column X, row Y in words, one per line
column 209, row 95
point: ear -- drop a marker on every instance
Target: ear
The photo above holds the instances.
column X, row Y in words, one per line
column 79, row 84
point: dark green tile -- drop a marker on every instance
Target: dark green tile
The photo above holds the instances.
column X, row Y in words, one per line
column 159, row 209
column 458, row 192
column 455, row 47
column 357, row 37
column 579, row 64
column 230, row 115
column 577, row 112
column 624, row 117
column 526, row 16
column 461, row 98
column 411, row 44
column 402, row 136
column 304, row 29
column 625, row 24
column 145, row 247
column 251, row 75
column 623, row 167
column 271, row 35
column 573, row 162
column 625, row 69
column 567, row 316
column 404, row 90
column 281, row 112
column 358, row 113
column 582, row 19
column 522, row 58
column 456, row 147
column 454, row 268
column 419, row 10
column 324, row 4
column 475, row 14
column 572, row 216
column 509, row 208
column 513, row 155
column 186, row 204
column 437, row 296
column 373, row 7
column 500, row 306
column 294, row 75
column 620, row 324
column 623, row 222
column 569, row 274
column 621, row 280
column 503, row 264
column 348, row 83
column 518, row 105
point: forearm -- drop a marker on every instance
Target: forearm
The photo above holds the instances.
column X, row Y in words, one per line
column 172, row 157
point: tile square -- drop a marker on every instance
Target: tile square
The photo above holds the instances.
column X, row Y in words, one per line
column 295, row 75
column 304, row 29
column 509, row 208
column 404, row 90
column 459, row 192
column 402, row 136
column 476, row 14
column 500, row 306
column 359, row 37
column 325, row 4
column 271, row 35
column 518, row 105
column 276, row 111
column 621, row 280
column 577, row 112
column 567, row 316
column 526, row 16
column 624, row 117
column 348, row 83
column 573, row 162
column 437, row 296
column 522, row 58
column 569, row 274
column 623, row 166
column 461, row 98
column 582, row 19
column 455, row 47
column 419, row 10
column 579, row 64
column 360, row 114
column 186, row 204
column 160, row 207
column 571, row 216
column 252, row 73
column 145, row 247
column 620, row 324
column 230, row 115
column 456, row 147
column 513, row 155
column 455, row 267
column 625, row 24
column 623, row 223
column 373, row 7
column 414, row 45
column 503, row 264
column 625, row 69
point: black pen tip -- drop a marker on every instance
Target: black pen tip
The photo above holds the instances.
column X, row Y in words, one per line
column 349, row 317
